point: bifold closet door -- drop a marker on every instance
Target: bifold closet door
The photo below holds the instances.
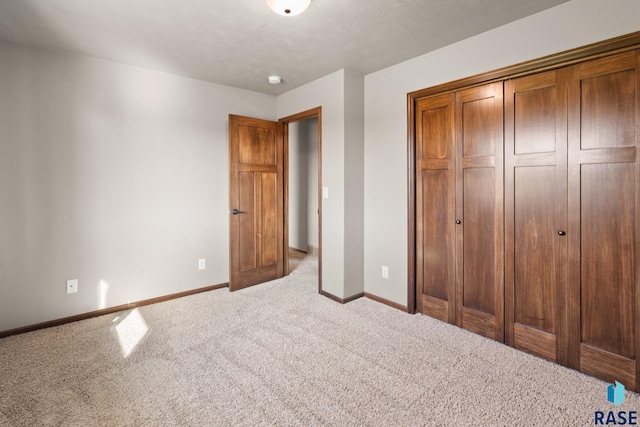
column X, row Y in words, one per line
column 603, row 217
column 536, row 214
column 459, row 209
column 479, row 210
column 435, row 198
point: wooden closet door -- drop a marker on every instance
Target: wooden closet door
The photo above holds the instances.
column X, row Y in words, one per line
column 603, row 217
column 479, row 209
column 435, row 191
column 535, row 214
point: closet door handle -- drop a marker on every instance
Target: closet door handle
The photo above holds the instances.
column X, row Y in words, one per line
column 236, row 212
column 458, row 221
column 561, row 233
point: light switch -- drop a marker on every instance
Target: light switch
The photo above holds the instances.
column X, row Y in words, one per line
column 325, row 192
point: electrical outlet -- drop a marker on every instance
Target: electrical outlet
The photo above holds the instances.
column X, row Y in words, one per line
column 72, row 286
column 202, row 264
column 385, row 272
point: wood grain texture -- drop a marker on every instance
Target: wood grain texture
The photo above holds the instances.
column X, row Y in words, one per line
column 256, row 159
column 608, row 260
column 435, row 187
column 535, row 208
column 535, row 341
column 608, row 366
column 535, row 257
column 479, row 207
column 603, row 221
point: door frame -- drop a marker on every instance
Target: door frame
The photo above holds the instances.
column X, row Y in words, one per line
column 308, row 114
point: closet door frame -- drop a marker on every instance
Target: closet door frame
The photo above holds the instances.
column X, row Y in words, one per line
column 605, row 48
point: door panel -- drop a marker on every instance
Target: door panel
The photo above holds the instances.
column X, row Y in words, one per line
column 435, row 261
column 246, row 230
column 603, row 193
column 608, row 110
column 478, row 230
column 608, row 270
column 479, row 208
column 535, row 257
column 477, row 125
column 535, row 210
column 268, row 238
column 534, row 119
column 435, row 190
column 257, row 192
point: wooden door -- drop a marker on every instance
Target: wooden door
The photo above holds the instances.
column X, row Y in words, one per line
column 435, row 198
column 536, row 214
column 256, row 200
column 479, row 210
column 603, row 217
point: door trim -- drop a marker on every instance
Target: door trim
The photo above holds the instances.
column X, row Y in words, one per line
column 308, row 114
column 592, row 51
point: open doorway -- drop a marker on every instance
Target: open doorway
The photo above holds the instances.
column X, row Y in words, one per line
column 303, row 204
column 303, row 185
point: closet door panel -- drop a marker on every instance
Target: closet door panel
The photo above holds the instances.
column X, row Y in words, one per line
column 435, row 198
column 477, row 118
column 535, row 255
column 607, row 267
column 603, row 190
column 478, row 228
column 479, row 208
column 608, row 271
column 435, row 216
column 535, row 210
column 536, row 114
column 608, row 104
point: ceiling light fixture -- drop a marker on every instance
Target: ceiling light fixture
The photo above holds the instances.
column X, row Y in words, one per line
column 275, row 80
column 288, row 7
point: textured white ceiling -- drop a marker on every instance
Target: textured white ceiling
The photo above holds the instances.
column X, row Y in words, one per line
column 240, row 42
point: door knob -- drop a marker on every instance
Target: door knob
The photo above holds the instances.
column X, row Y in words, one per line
column 561, row 233
column 236, row 212
column 458, row 221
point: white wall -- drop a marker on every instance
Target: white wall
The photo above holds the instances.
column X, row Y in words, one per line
column 564, row 27
column 109, row 174
column 341, row 96
column 328, row 93
column 354, row 182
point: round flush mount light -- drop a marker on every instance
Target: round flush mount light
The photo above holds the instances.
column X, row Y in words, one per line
column 275, row 80
column 288, row 7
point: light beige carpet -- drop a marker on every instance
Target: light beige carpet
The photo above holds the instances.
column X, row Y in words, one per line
column 280, row 354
